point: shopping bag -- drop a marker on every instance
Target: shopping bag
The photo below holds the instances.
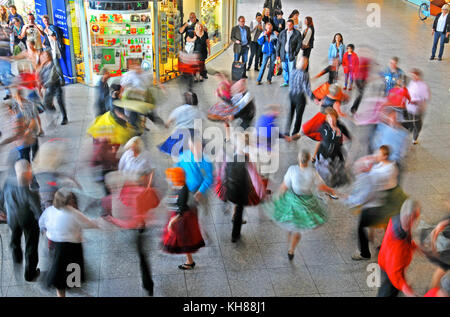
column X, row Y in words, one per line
column 278, row 69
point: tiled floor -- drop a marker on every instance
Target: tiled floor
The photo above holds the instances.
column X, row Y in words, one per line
column 258, row 265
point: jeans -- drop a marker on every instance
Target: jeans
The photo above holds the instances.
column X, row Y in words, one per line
column 244, row 55
column 52, row 91
column 386, row 289
column 288, row 66
column 27, row 152
column 298, row 104
column 348, row 76
column 255, row 49
column 266, row 58
column 437, row 36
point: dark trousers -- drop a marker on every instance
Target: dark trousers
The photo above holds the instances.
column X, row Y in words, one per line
column 256, row 53
column 307, row 53
column 298, row 104
column 146, row 273
column 29, row 152
column 244, row 56
column 369, row 217
column 31, row 233
column 237, row 221
column 415, row 126
column 361, row 85
column 52, row 91
column 386, row 289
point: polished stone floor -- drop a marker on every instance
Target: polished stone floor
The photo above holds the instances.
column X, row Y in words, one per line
column 258, row 264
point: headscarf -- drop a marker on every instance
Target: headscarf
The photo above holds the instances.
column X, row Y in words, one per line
column 176, row 175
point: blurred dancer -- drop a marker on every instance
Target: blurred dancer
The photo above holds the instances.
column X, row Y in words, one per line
column 63, row 225
column 51, row 82
column 184, row 118
column 328, row 156
column 23, row 211
column 397, row 251
column 416, row 107
column 298, row 207
column 391, row 74
column 239, row 182
column 182, row 233
column 443, row 290
column 103, row 101
column 198, row 170
column 378, row 192
column 300, row 85
column 435, row 244
column 362, row 76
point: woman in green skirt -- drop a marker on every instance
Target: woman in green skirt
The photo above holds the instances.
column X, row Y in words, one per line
column 297, row 208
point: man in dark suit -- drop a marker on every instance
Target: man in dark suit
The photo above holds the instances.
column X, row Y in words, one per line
column 273, row 5
column 441, row 30
column 288, row 47
column 241, row 37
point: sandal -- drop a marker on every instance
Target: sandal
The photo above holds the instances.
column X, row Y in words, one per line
column 186, row 266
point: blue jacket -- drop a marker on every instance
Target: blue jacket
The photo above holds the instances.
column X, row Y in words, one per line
column 199, row 175
column 333, row 52
column 268, row 48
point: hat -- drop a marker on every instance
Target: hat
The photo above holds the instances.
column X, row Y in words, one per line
column 176, row 176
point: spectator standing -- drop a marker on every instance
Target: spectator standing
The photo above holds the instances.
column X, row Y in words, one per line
column 441, row 31
column 33, row 32
column 295, row 17
column 202, row 47
column 350, row 62
column 336, row 49
column 189, row 26
column 14, row 14
column 288, row 46
column 272, row 5
column 268, row 41
column 241, row 37
column 54, row 43
column 279, row 22
column 308, row 37
column 256, row 28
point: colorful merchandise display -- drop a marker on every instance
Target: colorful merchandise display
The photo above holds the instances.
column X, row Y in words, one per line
column 119, row 39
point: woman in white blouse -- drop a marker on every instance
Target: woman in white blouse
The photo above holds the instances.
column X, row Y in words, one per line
column 63, row 225
column 298, row 208
column 135, row 161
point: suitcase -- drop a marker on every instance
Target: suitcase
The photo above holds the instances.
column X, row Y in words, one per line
column 237, row 71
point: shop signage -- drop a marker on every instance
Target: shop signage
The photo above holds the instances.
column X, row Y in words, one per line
column 124, row 5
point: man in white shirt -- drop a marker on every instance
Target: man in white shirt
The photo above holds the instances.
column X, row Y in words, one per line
column 441, row 30
column 32, row 31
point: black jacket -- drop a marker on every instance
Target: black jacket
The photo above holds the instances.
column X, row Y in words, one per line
column 447, row 23
column 272, row 5
column 236, row 36
column 295, row 44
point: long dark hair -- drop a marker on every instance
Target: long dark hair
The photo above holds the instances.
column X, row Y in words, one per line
column 309, row 22
column 293, row 13
column 334, row 38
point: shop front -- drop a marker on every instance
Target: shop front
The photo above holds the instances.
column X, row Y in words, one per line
column 118, row 34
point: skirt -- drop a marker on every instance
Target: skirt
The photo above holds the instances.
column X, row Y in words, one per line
column 297, row 213
column 332, row 172
column 393, row 202
column 185, row 236
column 63, row 254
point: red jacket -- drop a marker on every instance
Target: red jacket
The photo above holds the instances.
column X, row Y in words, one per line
column 397, row 97
column 432, row 292
column 396, row 254
column 353, row 65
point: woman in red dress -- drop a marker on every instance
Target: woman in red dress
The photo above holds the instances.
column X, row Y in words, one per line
column 182, row 232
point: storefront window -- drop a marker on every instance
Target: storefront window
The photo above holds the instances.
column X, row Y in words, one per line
column 24, row 7
column 76, row 41
column 169, row 20
column 211, row 17
column 119, row 39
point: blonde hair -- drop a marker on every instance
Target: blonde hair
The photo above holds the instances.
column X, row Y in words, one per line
column 446, row 7
column 198, row 26
column 135, row 140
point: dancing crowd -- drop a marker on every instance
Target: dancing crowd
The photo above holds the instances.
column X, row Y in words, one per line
column 37, row 197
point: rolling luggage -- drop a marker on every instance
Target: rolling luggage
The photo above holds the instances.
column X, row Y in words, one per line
column 237, row 71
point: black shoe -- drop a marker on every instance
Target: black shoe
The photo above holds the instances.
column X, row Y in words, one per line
column 33, row 278
column 256, row 69
column 431, row 58
column 290, row 256
column 248, row 68
column 205, row 77
column 7, row 97
column 186, row 266
column 245, row 76
column 235, row 239
column 440, row 59
column 64, row 121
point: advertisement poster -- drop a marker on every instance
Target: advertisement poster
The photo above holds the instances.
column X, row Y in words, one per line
column 41, row 9
column 61, row 20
